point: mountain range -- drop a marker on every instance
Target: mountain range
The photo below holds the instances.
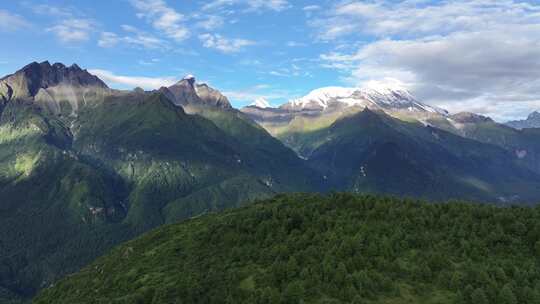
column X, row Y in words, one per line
column 85, row 167
column 532, row 121
column 318, row 121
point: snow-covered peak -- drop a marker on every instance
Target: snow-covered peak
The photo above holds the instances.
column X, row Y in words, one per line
column 189, row 77
column 389, row 94
column 388, row 91
column 320, row 98
column 261, row 103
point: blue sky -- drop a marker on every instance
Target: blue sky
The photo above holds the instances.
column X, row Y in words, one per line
column 480, row 56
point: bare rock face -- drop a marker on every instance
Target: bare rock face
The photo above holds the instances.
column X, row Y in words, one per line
column 467, row 117
column 532, row 121
column 212, row 97
column 28, row 81
column 187, row 92
column 53, row 86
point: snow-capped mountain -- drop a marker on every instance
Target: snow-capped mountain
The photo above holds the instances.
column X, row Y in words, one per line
column 375, row 95
column 260, row 103
column 322, row 107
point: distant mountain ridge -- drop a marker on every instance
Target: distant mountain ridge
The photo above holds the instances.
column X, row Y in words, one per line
column 375, row 96
column 532, row 121
column 321, row 107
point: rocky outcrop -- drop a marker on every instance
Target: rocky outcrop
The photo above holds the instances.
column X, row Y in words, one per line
column 467, row 117
column 27, row 82
column 187, row 92
column 532, row 121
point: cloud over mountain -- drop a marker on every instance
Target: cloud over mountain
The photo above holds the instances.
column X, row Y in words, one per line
column 462, row 55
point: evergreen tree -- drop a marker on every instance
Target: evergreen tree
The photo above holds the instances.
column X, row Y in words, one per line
column 506, row 296
column 478, row 296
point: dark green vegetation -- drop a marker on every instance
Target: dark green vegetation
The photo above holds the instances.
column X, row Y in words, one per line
column 85, row 167
column 373, row 152
column 339, row 248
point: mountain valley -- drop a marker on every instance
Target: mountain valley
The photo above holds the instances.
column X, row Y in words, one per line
column 85, row 167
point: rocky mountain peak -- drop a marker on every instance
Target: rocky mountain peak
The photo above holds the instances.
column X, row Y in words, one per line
column 35, row 76
column 188, row 92
column 532, row 121
column 534, row 116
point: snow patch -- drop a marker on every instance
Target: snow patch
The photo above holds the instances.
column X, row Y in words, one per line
column 261, row 103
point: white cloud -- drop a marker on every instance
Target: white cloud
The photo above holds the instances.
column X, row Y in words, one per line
column 162, row 18
column 148, row 62
column 225, row 45
column 210, row 22
column 11, row 22
column 252, row 5
column 295, row 44
column 73, row 30
column 147, row 83
column 310, row 8
column 108, row 40
column 134, row 38
column 480, row 56
column 146, row 41
column 275, row 5
column 49, row 10
column 408, row 19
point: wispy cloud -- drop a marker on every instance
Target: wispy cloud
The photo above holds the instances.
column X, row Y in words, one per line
column 148, row 62
column 70, row 25
column 163, row 18
column 108, row 39
column 251, row 5
column 147, row 83
column 73, row 30
column 310, row 8
column 132, row 38
column 210, row 22
column 12, row 22
column 295, row 44
column 225, row 45
column 49, row 10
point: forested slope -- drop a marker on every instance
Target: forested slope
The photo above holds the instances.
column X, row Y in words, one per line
column 339, row 248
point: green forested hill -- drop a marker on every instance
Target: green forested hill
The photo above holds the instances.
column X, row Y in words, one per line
column 339, row 248
column 83, row 168
column 371, row 152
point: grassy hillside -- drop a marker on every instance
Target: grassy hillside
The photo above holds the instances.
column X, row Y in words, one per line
column 339, row 248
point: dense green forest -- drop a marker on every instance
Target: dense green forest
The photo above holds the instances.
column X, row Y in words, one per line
column 308, row 248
